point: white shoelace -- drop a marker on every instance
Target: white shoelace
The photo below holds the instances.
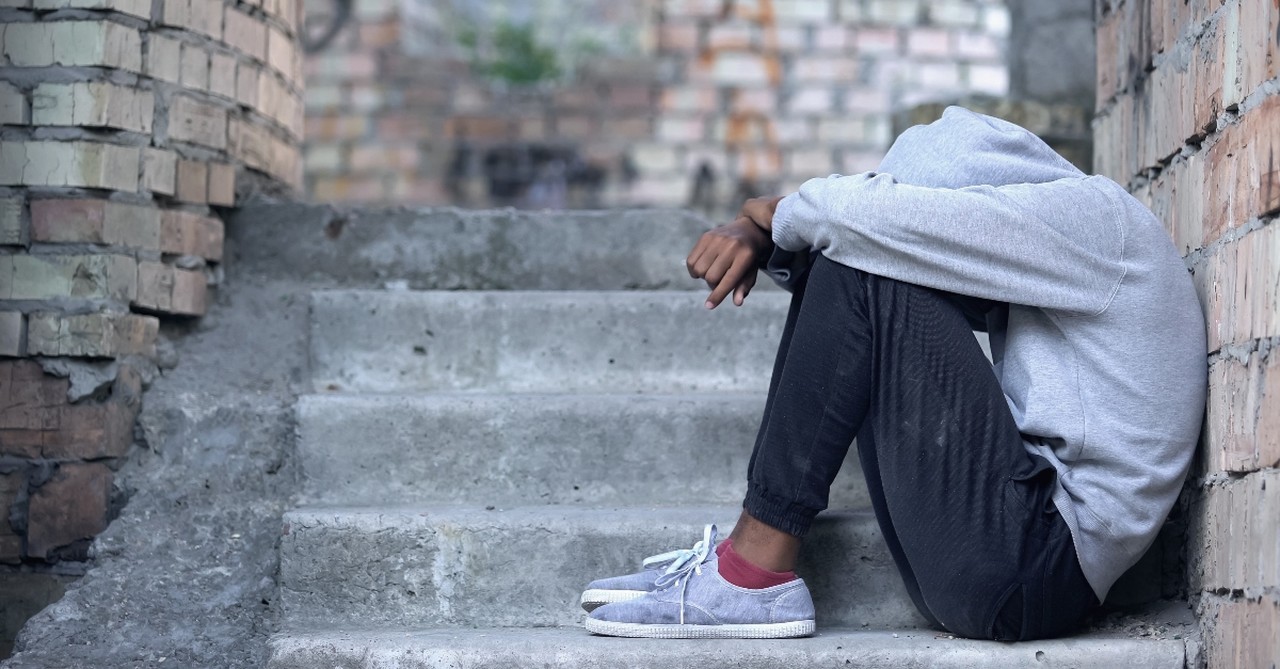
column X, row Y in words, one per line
column 684, row 563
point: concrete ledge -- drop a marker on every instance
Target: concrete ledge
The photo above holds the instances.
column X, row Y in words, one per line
column 446, row 248
column 524, row 449
column 831, row 647
column 549, row 341
column 526, row 567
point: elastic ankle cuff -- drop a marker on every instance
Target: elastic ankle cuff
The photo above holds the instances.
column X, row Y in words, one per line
column 775, row 513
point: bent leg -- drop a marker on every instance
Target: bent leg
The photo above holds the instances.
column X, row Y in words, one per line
column 964, row 508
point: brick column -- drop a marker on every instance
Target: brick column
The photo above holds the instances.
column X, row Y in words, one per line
column 1189, row 118
column 127, row 125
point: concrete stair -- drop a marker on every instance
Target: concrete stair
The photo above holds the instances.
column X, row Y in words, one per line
column 473, row 458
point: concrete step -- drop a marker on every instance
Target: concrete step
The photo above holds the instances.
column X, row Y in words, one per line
column 450, row 249
column 832, row 647
column 563, row 342
column 508, row 450
column 526, row 567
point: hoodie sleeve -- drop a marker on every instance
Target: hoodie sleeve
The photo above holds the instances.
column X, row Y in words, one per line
column 1055, row 245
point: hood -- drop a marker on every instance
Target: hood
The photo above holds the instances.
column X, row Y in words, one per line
column 968, row 149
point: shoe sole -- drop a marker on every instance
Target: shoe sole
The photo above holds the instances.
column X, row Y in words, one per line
column 799, row 628
column 594, row 599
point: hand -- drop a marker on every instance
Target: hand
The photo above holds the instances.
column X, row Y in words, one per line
column 760, row 210
column 726, row 259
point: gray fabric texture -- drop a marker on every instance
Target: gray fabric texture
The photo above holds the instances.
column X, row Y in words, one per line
column 1101, row 349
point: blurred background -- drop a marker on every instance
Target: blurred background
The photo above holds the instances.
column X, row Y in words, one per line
column 693, row 103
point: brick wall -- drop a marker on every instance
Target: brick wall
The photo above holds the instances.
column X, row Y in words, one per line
column 763, row 94
column 124, row 126
column 1189, row 118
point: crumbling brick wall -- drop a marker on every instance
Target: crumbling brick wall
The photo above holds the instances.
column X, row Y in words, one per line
column 750, row 95
column 1189, row 118
column 124, row 126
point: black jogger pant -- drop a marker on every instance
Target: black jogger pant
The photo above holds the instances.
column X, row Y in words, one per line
column 965, row 509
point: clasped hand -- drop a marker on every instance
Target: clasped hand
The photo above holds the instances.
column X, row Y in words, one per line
column 727, row 257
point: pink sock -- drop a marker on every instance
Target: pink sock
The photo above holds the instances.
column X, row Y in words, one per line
column 736, row 570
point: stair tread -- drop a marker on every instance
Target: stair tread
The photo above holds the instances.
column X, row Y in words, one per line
column 830, row 647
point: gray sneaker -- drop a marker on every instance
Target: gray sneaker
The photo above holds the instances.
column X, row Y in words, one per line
column 623, row 588
column 697, row 603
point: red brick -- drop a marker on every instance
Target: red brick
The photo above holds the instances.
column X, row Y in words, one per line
column 630, row 97
column 384, row 158
column 71, row 506
column 1109, row 62
column 336, row 127
column 39, row 422
column 405, row 126
column 11, row 484
column 1255, row 49
column 245, row 33
column 183, row 233
column 490, row 128
column 732, row 36
column 194, row 121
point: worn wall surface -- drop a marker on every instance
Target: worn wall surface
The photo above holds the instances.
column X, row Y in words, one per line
column 124, row 124
column 1189, row 118
column 703, row 102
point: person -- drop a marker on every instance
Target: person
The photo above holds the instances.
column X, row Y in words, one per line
column 1013, row 491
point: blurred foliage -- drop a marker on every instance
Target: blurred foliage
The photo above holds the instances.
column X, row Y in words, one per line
column 512, row 54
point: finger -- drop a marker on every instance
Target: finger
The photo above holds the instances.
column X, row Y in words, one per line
column 695, row 255
column 715, row 274
column 732, row 277
column 744, row 288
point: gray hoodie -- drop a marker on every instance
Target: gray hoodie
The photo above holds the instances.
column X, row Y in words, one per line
column 1101, row 350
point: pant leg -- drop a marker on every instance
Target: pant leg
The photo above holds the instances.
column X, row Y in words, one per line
column 962, row 505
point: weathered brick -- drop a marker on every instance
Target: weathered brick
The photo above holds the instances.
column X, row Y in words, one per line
column 13, row 105
column 678, row 36
column 1247, row 183
column 676, row 129
column 198, row 122
column 842, row 130
column 159, row 170
column 94, row 335
column 812, row 100
column 79, row 163
column 88, row 43
column 164, row 58
column 11, row 484
column 804, row 11
column 929, row 43
column 1250, row 45
column 138, row 8
column 245, row 33
column 70, row 507
column 281, row 53
column 741, row 69
column 1234, row 537
column 247, row 84
column 280, row 104
column 186, row 234
column 195, row 68
column 222, row 75
column 44, row 277
column 13, row 330
column 95, row 222
column 871, row 40
column 653, row 157
column 1241, row 632
column 200, row 16
column 1242, row 399
column 94, row 104
column 956, row 14
column 171, row 290
column 989, row 79
column 190, row 291
column 260, row 149
column 193, row 181
column 832, row 38
column 828, row 69
column 222, row 184
column 379, row 157
column 810, row 161
column 12, row 231
column 894, row 12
